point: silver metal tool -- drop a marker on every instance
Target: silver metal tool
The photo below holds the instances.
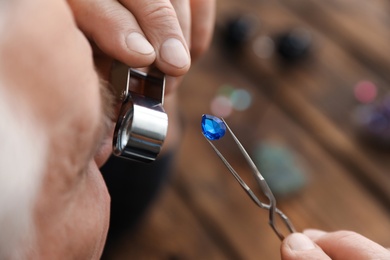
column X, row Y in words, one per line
column 271, row 207
column 142, row 124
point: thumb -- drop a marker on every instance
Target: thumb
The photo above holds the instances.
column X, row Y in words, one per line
column 297, row 246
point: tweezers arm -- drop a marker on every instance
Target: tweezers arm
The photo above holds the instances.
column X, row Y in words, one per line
column 273, row 210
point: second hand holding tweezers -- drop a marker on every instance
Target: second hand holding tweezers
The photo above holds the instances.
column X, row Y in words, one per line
column 271, row 207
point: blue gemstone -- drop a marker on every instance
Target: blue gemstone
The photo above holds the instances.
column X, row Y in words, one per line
column 213, row 128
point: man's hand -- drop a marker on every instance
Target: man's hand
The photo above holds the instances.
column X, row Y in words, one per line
column 340, row 245
column 142, row 32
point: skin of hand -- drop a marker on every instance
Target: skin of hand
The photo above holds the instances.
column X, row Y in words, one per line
column 51, row 70
column 339, row 245
column 144, row 32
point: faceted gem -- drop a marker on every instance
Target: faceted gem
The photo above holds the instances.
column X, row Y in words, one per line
column 213, row 128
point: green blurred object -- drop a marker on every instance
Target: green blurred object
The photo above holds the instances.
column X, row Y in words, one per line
column 279, row 167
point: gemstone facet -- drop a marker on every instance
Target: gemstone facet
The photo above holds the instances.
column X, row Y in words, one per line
column 213, row 128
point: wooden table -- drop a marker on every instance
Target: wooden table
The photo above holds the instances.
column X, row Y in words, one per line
column 203, row 213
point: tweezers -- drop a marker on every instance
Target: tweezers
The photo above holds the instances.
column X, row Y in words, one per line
column 271, row 207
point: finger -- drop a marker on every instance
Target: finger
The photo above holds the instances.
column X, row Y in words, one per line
column 171, row 84
column 114, row 30
column 348, row 245
column 203, row 20
column 159, row 22
column 183, row 12
column 297, row 246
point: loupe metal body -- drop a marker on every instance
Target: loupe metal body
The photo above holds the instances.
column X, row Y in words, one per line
column 142, row 124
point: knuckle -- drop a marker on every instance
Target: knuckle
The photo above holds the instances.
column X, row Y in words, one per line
column 159, row 11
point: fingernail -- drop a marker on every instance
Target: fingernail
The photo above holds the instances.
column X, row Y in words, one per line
column 173, row 52
column 137, row 43
column 314, row 233
column 300, row 242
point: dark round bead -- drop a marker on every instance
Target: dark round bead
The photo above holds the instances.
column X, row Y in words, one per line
column 294, row 45
column 238, row 31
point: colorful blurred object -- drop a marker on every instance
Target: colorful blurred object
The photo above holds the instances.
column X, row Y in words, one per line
column 280, row 168
column 374, row 121
column 229, row 99
column 365, row 91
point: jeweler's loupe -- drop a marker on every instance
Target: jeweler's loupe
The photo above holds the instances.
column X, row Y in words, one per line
column 142, row 124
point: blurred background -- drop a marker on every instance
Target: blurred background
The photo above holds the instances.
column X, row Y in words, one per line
column 304, row 85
